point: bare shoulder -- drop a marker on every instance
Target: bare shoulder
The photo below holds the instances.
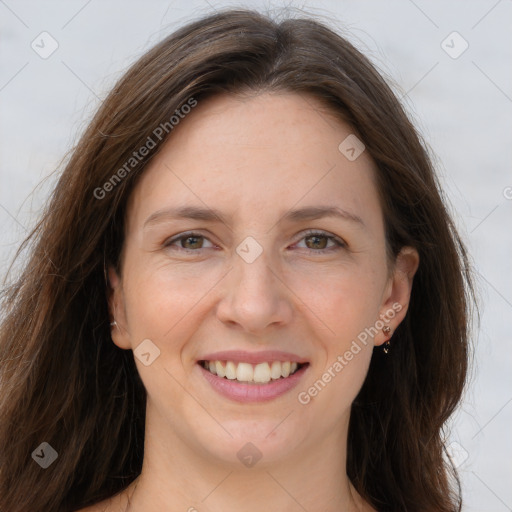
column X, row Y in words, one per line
column 368, row 508
column 102, row 506
column 115, row 504
column 99, row 507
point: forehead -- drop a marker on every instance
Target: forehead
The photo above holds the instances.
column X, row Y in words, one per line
column 261, row 154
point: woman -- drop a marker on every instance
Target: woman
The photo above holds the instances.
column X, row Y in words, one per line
column 246, row 292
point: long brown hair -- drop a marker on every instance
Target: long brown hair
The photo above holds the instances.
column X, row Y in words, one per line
column 64, row 382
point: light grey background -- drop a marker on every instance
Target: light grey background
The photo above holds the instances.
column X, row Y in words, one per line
column 462, row 106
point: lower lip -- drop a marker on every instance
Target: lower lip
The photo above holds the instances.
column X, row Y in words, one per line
column 241, row 392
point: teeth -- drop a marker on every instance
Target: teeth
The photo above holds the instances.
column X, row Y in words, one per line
column 230, row 370
column 221, row 371
column 275, row 370
column 244, row 372
column 261, row 373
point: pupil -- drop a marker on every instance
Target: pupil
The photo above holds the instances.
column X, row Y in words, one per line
column 317, row 237
column 192, row 238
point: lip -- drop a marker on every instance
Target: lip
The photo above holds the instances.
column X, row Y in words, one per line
column 242, row 356
column 246, row 393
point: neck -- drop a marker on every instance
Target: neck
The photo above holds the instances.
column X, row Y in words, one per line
column 178, row 477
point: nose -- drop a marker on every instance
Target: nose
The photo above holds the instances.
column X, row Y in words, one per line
column 254, row 296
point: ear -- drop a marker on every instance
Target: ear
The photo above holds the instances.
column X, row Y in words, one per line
column 117, row 310
column 398, row 292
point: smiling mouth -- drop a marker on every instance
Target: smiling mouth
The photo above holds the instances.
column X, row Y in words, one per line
column 261, row 373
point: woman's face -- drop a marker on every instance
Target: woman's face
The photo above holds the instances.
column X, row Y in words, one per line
column 265, row 281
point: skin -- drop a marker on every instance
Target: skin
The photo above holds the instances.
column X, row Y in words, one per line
column 253, row 157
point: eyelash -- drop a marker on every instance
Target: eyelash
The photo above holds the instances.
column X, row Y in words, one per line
column 340, row 244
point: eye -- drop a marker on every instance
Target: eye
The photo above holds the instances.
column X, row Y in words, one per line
column 189, row 242
column 316, row 241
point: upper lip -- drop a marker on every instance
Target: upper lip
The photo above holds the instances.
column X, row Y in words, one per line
column 241, row 356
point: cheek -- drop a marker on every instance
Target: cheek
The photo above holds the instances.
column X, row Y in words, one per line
column 344, row 300
column 332, row 387
column 341, row 379
column 160, row 301
column 344, row 306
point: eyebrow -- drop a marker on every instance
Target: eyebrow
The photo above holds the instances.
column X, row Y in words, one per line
column 213, row 215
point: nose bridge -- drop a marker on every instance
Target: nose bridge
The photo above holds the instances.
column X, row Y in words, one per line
column 254, row 297
column 252, row 268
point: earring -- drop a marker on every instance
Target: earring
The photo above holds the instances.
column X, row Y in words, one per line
column 113, row 323
column 387, row 345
